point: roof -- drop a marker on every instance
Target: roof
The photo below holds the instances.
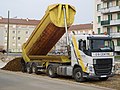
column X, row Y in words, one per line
column 19, row 21
column 81, row 27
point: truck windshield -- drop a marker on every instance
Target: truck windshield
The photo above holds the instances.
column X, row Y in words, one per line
column 102, row 45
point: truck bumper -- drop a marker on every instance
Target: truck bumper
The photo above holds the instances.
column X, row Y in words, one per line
column 86, row 75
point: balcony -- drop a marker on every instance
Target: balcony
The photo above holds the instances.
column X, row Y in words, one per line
column 117, row 48
column 110, row 22
column 105, row 10
column 105, row 23
column 115, row 22
column 115, row 34
column 110, row 10
column 115, row 9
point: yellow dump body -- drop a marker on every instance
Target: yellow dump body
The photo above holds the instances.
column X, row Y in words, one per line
column 50, row 29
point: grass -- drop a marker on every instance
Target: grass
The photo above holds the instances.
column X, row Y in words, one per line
column 117, row 58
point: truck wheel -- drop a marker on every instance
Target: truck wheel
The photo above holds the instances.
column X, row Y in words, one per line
column 34, row 69
column 23, row 66
column 78, row 75
column 23, row 69
column 103, row 78
column 50, row 72
column 29, row 69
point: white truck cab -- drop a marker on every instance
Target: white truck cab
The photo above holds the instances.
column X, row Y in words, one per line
column 94, row 54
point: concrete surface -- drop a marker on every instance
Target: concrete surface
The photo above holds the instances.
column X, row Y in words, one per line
column 21, row 81
column 2, row 64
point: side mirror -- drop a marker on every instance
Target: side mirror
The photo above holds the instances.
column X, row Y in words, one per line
column 79, row 44
column 84, row 45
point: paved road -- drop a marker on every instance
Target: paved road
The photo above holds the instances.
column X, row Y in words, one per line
column 19, row 81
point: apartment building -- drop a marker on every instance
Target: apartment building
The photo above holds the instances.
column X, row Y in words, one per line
column 19, row 32
column 21, row 29
column 107, row 20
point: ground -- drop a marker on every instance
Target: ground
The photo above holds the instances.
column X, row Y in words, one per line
column 112, row 82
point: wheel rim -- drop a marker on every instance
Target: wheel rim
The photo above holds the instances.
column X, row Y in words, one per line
column 33, row 69
column 28, row 69
column 78, row 75
column 50, row 72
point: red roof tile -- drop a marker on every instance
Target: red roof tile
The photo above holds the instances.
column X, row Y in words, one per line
column 19, row 21
column 81, row 27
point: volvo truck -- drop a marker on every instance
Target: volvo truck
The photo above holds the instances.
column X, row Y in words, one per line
column 89, row 56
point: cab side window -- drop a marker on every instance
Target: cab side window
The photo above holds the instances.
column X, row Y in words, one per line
column 82, row 45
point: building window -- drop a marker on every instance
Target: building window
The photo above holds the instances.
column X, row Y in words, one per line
column 98, row 30
column 5, row 44
column 118, row 42
column 18, row 32
column 13, row 44
column 98, row 7
column 19, row 44
column 108, row 30
column 5, row 31
column 14, row 26
column 118, row 28
column 99, row 19
column 6, row 26
column 110, row 17
column 18, row 38
column 116, row 2
column 26, row 38
column 13, row 37
column 13, row 31
column 26, row 32
column 118, row 15
column 5, row 37
column 19, row 50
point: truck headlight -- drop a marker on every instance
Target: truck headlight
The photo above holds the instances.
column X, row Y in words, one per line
column 94, row 61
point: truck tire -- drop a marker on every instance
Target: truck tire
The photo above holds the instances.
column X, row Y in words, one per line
column 103, row 78
column 78, row 75
column 23, row 69
column 50, row 72
column 23, row 66
column 34, row 68
column 28, row 68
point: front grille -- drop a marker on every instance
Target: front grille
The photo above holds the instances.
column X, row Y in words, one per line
column 103, row 66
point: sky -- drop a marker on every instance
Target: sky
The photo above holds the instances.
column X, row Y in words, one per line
column 35, row 9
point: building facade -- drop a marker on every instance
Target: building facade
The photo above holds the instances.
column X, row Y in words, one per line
column 107, row 20
column 21, row 29
column 19, row 32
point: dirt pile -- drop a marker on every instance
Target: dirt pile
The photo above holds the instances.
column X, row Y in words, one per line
column 117, row 67
column 13, row 65
column 112, row 82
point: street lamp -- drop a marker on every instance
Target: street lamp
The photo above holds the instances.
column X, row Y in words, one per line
column 8, row 34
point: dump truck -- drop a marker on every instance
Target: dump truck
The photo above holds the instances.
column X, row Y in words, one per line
column 88, row 55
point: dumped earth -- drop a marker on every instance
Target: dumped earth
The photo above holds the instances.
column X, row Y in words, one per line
column 112, row 82
column 13, row 65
